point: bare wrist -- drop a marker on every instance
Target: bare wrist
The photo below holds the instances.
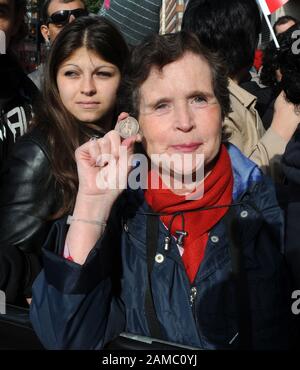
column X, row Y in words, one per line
column 93, row 207
column 286, row 131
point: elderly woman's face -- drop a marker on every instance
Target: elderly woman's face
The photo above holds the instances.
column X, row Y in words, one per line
column 179, row 112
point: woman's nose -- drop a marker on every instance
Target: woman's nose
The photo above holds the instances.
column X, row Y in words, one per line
column 184, row 118
column 88, row 86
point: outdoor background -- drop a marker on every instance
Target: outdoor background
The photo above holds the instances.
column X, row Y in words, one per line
column 32, row 50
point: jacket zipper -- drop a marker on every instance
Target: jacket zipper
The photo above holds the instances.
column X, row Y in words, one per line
column 193, row 295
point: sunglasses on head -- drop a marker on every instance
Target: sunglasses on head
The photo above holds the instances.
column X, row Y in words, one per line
column 62, row 17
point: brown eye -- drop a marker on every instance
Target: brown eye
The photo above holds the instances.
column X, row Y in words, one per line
column 161, row 106
column 200, row 101
column 71, row 74
column 104, row 74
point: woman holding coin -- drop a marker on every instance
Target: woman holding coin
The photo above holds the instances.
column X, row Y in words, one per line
column 165, row 261
column 39, row 182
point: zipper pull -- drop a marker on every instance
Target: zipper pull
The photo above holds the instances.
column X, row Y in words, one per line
column 193, row 294
column 181, row 235
column 167, row 243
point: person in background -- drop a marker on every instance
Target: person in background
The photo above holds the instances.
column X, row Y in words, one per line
column 281, row 69
column 284, row 23
column 55, row 15
column 270, row 77
column 38, row 183
column 159, row 261
column 17, row 92
column 289, row 64
column 231, row 28
column 135, row 19
column 291, row 169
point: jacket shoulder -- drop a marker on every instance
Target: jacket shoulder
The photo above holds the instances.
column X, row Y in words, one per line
column 28, row 89
column 28, row 197
column 31, row 151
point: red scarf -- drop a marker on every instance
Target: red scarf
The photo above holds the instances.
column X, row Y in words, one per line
column 217, row 191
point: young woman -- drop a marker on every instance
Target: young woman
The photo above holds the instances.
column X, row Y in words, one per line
column 39, row 181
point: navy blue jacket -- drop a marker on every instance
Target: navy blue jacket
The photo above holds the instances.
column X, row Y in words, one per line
column 84, row 307
column 291, row 169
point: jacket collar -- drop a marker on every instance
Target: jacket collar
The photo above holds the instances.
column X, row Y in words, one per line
column 245, row 172
column 242, row 95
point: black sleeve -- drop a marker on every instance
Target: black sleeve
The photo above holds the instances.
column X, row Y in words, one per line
column 291, row 169
column 27, row 199
column 85, row 296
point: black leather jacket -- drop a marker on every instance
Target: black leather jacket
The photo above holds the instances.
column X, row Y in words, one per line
column 17, row 94
column 27, row 199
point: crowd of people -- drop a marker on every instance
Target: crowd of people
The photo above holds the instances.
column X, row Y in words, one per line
column 209, row 263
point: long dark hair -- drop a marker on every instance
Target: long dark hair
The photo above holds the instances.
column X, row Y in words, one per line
column 64, row 133
column 270, row 66
column 287, row 60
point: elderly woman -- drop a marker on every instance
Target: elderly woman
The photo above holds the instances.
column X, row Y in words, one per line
column 204, row 270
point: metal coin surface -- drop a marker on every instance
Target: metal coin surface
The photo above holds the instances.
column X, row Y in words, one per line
column 128, row 127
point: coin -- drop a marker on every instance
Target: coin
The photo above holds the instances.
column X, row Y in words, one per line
column 128, row 127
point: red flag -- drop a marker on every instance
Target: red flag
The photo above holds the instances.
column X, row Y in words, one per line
column 107, row 4
column 270, row 6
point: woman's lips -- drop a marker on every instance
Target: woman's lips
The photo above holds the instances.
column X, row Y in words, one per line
column 88, row 105
column 186, row 148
